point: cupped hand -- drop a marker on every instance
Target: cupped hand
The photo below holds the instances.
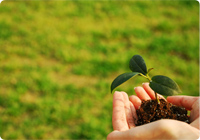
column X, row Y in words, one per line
column 189, row 102
column 124, row 113
column 124, row 116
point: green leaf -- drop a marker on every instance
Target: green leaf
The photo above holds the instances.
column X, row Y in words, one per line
column 164, row 85
column 137, row 64
column 149, row 70
column 121, row 79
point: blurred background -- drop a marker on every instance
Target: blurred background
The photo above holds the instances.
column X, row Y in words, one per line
column 58, row 59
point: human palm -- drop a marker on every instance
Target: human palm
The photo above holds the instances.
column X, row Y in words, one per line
column 124, row 117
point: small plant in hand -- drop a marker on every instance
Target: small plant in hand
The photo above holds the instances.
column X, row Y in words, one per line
column 155, row 109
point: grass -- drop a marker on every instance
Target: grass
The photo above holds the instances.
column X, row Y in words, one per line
column 58, row 59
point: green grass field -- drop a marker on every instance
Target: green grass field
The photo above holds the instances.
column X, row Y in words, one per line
column 58, row 59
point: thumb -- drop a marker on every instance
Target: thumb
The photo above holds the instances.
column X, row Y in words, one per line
column 161, row 129
column 184, row 101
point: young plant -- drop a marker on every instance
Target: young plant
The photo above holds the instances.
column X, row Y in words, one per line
column 159, row 83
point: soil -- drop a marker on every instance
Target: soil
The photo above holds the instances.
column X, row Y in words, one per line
column 150, row 111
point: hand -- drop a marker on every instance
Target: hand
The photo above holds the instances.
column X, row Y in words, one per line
column 124, row 112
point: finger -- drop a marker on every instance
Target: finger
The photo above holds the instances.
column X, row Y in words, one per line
column 150, row 92
column 184, row 101
column 119, row 116
column 195, row 123
column 134, row 115
column 128, row 111
column 135, row 101
column 194, row 114
column 190, row 103
column 141, row 93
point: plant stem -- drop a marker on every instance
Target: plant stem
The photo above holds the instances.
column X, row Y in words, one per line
column 149, row 78
column 146, row 76
column 158, row 101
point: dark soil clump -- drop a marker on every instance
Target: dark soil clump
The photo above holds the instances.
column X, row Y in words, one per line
column 150, row 111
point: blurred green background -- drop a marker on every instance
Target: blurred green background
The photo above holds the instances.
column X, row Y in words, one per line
column 58, row 59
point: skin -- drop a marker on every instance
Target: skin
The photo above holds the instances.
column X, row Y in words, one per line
column 124, row 116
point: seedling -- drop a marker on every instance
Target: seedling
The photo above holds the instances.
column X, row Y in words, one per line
column 159, row 83
column 152, row 110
